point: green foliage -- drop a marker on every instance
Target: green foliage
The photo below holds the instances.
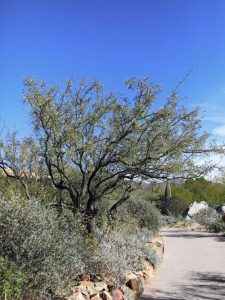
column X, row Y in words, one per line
column 179, row 202
column 143, row 212
column 51, row 249
column 205, row 190
column 11, row 280
column 89, row 153
column 197, row 190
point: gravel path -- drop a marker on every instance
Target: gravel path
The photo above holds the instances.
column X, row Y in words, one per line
column 193, row 267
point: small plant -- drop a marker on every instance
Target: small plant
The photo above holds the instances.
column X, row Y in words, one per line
column 11, row 280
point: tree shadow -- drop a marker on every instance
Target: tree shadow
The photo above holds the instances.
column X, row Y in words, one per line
column 191, row 234
column 208, row 286
column 220, row 238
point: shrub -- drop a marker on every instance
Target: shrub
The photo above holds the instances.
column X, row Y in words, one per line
column 54, row 248
column 144, row 214
column 209, row 218
column 11, row 280
column 51, row 249
column 121, row 252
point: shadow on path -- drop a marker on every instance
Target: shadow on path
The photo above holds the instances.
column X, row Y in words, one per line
column 190, row 234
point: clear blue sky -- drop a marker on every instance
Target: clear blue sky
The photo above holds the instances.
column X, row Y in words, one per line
column 112, row 41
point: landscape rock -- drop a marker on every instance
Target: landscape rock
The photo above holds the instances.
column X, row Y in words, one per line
column 92, row 290
column 149, row 270
column 195, row 208
column 96, row 297
column 136, row 285
column 106, row 296
column 86, row 283
column 101, row 286
column 221, row 209
column 117, row 294
column 131, row 276
column 76, row 296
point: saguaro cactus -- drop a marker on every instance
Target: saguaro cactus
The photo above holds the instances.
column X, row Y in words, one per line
column 168, row 194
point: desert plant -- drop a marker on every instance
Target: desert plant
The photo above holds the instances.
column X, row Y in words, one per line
column 11, row 280
column 209, row 218
column 121, row 253
column 145, row 212
column 51, row 249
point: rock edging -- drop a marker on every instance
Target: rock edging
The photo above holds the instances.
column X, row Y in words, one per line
column 134, row 287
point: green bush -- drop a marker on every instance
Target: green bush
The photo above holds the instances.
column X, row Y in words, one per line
column 11, row 280
column 51, row 249
column 54, row 248
column 144, row 214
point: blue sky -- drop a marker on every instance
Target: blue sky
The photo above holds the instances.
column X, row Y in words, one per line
column 112, row 41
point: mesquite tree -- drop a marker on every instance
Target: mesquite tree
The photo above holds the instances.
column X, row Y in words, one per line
column 93, row 143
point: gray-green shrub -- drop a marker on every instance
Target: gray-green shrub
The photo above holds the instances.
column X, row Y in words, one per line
column 143, row 211
column 122, row 252
column 50, row 248
column 53, row 248
column 210, row 219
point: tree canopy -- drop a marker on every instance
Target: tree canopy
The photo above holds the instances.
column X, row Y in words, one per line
column 93, row 143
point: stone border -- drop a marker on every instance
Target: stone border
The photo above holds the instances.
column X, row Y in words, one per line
column 88, row 290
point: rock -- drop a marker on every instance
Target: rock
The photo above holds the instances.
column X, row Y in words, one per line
column 223, row 218
column 86, row 283
column 76, row 296
column 106, row 296
column 128, row 293
column 92, row 291
column 117, row 294
column 101, row 286
column 96, row 297
column 195, row 208
column 149, row 270
column 85, row 293
column 131, row 276
column 221, row 209
column 136, row 285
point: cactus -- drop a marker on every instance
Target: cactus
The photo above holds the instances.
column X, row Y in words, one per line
column 168, row 194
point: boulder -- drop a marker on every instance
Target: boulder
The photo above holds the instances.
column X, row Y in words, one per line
column 117, row 294
column 221, row 209
column 136, row 285
column 195, row 208
column 223, row 218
